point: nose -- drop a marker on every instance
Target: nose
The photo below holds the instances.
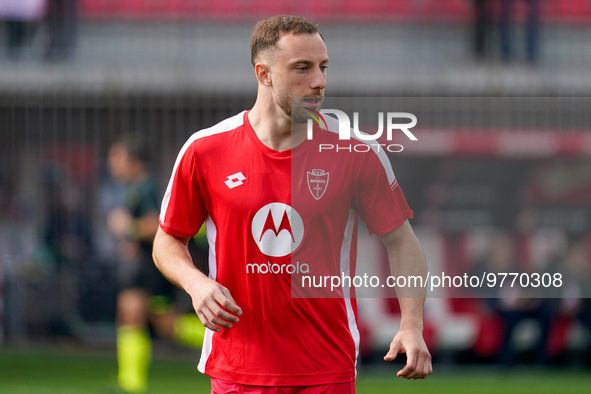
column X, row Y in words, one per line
column 319, row 79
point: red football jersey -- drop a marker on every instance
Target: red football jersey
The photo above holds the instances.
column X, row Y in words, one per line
column 271, row 217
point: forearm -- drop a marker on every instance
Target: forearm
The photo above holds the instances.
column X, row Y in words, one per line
column 407, row 259
column 411, row 313
column 209, row 297
column 411, row 300
column 172, row 258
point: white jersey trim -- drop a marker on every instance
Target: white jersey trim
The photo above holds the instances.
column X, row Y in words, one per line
column 211, row 232
column 222, row 127
column 346, row 270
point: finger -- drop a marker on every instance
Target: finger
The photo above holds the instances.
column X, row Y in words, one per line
column 405, row 372
column 428, row 368
column 221, row 322
column 206, row 323
column 426, row 357
column 424, row 367
column 222, row 313
column 419, row 370
column 411, row 364
column 211, row 316
column 395, row 348
column 218, row 311
column 227, row 301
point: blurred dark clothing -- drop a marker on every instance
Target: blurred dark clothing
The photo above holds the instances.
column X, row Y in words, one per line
column 67, row 231
column 481, row 29
column 61, row 28
column 141, row 198
column 537, row 310
column 20, row 18
column 16, row 36
column 532, row 29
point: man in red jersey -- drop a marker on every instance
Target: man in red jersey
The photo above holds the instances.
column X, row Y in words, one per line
column 263, row 222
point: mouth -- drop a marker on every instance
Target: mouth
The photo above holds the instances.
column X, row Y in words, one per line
column 313, row 101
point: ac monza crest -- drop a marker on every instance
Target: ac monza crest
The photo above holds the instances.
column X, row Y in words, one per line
column 317, row 183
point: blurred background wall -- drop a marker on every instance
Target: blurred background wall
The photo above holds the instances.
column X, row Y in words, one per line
column 75, row 75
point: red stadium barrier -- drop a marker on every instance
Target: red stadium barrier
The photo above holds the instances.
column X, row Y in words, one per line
column 500, row 143
column 569, row 11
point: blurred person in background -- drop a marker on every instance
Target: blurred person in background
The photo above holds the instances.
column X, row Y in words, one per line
column 516, row 304
column 20, row 18
column 502, row 308
column 532, row 30
column 575, row 300
column 481, row 29
column 67, row 245
column 68, row 229
column 145, row 296
column 61, row 28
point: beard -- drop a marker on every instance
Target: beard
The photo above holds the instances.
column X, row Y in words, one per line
column 293, row 107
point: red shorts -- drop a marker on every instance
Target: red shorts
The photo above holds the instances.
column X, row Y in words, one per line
column 222, row 387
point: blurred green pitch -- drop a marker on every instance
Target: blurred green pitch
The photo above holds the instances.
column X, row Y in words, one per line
column 48, row 372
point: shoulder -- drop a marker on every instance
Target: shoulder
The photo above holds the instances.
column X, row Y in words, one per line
column 370, row 154
column 215, row 134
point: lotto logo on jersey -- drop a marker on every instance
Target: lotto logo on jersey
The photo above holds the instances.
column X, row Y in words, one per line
column 277, row 229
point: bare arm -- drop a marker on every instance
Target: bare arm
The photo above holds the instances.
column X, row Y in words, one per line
column 407, row 259
column 172, row 258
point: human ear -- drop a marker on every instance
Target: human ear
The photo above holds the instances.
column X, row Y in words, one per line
column 263, row 74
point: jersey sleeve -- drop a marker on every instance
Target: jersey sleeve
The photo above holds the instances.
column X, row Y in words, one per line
column 183, row 209
column 379, row 198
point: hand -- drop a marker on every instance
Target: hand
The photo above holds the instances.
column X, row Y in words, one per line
column 418, row 360
column 119, row 222
column 208, row 299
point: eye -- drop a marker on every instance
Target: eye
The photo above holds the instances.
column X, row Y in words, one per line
column 302, row 68
column 323, row 68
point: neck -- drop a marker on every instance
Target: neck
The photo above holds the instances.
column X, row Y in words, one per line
column 274, row 128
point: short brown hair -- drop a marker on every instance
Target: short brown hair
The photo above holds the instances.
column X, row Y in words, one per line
column 266, row 33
